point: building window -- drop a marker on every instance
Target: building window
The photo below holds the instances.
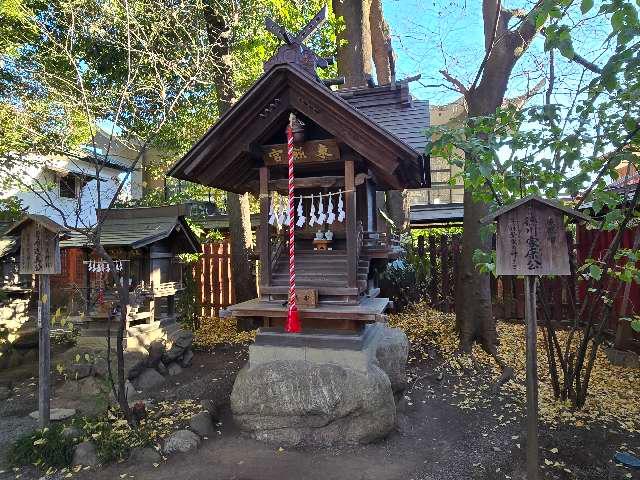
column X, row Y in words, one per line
column 68, row 187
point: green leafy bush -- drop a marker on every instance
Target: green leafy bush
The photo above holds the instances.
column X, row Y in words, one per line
column 114, row 438
column 44, row 448
column 405, row 280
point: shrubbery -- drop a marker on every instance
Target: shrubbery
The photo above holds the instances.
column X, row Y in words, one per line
column 44, row 448
column 405, row 280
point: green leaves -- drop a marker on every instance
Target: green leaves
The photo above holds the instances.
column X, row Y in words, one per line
column 586, row 5
column 559, row 37
column 595, row 271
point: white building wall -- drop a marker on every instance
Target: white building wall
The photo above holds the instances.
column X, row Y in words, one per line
column 36, row 184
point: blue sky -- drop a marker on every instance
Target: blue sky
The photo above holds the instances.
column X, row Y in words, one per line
column 435, row 34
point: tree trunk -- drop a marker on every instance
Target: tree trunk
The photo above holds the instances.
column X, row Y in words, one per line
column 398, row 209
column 380, row 43
column 219, row 33
column 503, row 47
column 474, row 316
column 354, row 57
column 241, row 242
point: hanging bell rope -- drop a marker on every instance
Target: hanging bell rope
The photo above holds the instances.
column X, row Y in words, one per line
column 293, row 321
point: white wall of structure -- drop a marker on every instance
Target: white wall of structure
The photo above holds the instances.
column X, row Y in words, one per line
column 64, row 189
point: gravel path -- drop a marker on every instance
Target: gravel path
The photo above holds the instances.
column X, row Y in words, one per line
column 14, row 411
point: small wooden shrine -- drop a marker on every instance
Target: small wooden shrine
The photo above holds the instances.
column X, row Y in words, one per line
column 348, row 145
column 144, row 244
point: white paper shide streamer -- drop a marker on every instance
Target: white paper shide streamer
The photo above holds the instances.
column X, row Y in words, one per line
column 312, row 213
column 321, row 215
column 331, row 215
column 300, row 214
column 341, row 213
column 272, row 213
column 282, row 213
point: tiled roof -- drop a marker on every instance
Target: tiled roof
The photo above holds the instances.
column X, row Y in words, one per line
column 393, row 109
column 137, row 227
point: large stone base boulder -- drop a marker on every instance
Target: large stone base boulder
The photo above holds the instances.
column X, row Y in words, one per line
column 296, row 403
column 321, row 388
column 392, row 351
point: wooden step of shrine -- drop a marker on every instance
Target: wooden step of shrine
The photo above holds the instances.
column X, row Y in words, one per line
column 324, row 289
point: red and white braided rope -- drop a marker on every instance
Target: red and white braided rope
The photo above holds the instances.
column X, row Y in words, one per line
column 293, row 324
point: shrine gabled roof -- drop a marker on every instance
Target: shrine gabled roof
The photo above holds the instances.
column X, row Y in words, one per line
column 534, row 198
column 140, row 227
column 393, row 108
column 226, row 156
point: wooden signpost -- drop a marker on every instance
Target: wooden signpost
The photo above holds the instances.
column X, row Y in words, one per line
column 531, row 241
column 40, row 255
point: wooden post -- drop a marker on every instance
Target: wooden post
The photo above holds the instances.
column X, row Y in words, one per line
column 532, row 377
column 350, row 211
column 265, row 247
column 44, row 350
column 372, row 211
column 40, row 255
column 531, row 241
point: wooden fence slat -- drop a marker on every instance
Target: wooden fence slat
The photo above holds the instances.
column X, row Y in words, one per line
column 444, row 269
column 433, row 284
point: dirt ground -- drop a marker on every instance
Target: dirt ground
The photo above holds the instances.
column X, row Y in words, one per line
column 435, row 438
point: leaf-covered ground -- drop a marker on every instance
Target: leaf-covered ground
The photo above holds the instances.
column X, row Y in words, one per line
column 614, row 392
column 214, row 331
column 451, row 424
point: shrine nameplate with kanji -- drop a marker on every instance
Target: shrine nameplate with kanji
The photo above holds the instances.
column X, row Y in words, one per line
column 39, row 250
column 531, row 240
column 313, row 151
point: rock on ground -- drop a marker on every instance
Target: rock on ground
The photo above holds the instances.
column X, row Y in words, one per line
column 172, row 354
column 392, row 352
column 85, row 454
column 174, row 369
column 156, row 349
column 56, row 414
column 202, row 424
column 100, row 367
column 181, row 441
column 80, row 370
column 71, row 432
column 5, row 392
column 148, row 379
column 184, row 340
column 136, row 370
column 300, row 403
column 141, row 455
column 162, row 369
column 187, row 358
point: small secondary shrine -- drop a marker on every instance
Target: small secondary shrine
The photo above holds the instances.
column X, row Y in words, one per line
column 348, row 144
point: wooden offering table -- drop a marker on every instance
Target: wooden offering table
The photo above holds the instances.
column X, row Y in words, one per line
column 321, row 244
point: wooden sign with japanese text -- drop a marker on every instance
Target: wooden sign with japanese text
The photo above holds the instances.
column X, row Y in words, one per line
column 531, row 240
column 313, row 151
column 39, row 250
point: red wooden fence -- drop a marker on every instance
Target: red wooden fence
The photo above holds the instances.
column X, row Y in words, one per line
column 561, row 294
column 601, row 241
column 507, row 293
column 213, row 275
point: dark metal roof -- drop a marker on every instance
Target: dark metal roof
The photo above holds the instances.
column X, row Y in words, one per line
column 139, row 227
column 393, row 109
column 425, row 215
